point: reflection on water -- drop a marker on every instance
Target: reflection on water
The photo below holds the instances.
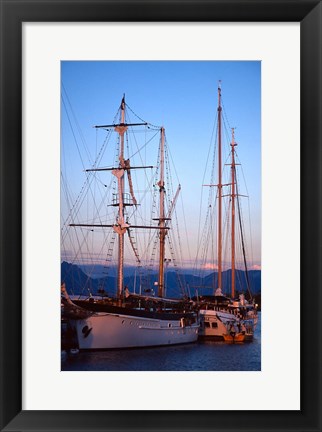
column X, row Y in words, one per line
column 199, row 356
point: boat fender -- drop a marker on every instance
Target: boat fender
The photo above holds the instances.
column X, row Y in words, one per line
column 86, row 331
column 182, row 323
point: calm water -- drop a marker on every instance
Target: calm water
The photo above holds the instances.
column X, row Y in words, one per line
column 199, row 356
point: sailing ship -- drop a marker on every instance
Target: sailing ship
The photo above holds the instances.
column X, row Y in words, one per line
column 130, row 320
column 225, row 317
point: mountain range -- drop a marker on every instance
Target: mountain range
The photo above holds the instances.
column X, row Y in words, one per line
column 78, row 282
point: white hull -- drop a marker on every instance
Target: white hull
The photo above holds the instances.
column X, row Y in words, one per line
column 107, row 331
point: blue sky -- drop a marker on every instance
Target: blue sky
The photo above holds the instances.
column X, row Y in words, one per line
column 181, row 96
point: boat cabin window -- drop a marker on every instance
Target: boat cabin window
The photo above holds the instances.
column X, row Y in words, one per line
column 207, row 324
column 214, row 325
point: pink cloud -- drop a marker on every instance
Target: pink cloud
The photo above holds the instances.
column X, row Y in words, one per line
column 210, row 266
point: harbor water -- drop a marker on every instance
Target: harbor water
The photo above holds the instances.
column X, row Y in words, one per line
column 199, row 356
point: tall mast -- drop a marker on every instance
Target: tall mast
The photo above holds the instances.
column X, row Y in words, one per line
column 233, row 196
column 120, row 228
column 161, row 219
column 219, row 192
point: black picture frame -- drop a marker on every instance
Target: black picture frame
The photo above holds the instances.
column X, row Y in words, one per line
column 13, row 14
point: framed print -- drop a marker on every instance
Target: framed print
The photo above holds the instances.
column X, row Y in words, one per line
column 52, row 55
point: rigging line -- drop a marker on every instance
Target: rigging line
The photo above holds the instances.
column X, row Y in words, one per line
column 63, row 171
column 73, row 218
column 177, row 271
column 211, row 221
column 100, row 154
column 225, row 112
column 214, row 157
column 135, row 240
column 153, row 254
column 104, row 145
column 170, row 187
column 227, row 130
column 92, row 210
column 186, row 229
column 138, row 210
column 151, row 181
column 209, row 204
column 73, row 133
column 75, row 120
column 153, row 237
column 168, row 167
column 170, row 194
column 211, row 146
column 250, row 231
column 73, row 208
column 129, row 174
column 240, row 251
column 169, row 152
column 104, row 243
column 242, row 171
column 206, row 235
column 144, row 121
column 64, row 189
column 95, row 207
column 201, row 233
column 80, row 198
column 80, row 131
column 180, row 253
column 136, row 253
column 103, row 196
column 143, row 146
column 242, row 241
column 139, row 149
column 77, row 255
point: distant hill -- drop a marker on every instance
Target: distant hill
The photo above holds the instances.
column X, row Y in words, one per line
column 78, row 282
column 254, row 277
